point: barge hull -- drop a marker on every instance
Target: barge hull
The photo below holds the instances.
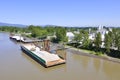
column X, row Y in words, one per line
column 40, row 60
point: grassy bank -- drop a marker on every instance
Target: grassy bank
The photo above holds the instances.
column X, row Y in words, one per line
column 88, row 51
column 94, row 54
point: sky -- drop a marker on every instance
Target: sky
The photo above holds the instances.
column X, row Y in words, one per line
column 61, row 12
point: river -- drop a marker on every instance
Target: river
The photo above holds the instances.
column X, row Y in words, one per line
column 16, row 65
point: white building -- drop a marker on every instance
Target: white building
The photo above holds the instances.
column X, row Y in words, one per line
column 102, row 31
column 70, row 36
column 92, row 36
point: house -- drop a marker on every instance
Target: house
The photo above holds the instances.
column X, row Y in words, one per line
column 70, row 36
column 100, row 30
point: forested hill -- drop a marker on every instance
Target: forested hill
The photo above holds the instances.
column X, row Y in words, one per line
column 15, row 25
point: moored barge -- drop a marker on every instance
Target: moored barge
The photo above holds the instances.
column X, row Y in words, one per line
column 45, row 58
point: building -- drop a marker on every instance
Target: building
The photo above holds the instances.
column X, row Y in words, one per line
column 100, row 30
column 70, row 36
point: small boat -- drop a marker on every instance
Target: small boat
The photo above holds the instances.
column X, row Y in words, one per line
column 45, row 58
column 17, row 38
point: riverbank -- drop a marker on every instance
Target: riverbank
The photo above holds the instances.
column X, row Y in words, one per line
column 88, row 53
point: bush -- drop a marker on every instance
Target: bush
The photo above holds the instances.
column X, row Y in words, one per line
column 99, row 53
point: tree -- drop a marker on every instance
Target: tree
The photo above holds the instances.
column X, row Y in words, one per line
column 107, row 42
column 78, row 37
column 98, row 40
column 86, row 41
column 114, row 37
column 117, row 40
column 37, row 31
column 83, row 37
column 61, row 34
column 50, row 30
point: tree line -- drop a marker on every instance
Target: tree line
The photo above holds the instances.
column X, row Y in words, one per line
column 81, row 39
column 39, row 32
column 110, row 44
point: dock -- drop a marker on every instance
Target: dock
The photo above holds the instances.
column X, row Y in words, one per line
column 24, row 39
column 31, row 41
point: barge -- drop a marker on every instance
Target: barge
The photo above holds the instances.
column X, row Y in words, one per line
column 43, row 57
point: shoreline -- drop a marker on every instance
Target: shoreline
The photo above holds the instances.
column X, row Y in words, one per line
column 85, row 53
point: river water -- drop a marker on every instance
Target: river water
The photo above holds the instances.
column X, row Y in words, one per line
column 16, row 65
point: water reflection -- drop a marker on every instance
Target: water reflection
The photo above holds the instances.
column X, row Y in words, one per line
column 97, row 64
column 112, row 70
